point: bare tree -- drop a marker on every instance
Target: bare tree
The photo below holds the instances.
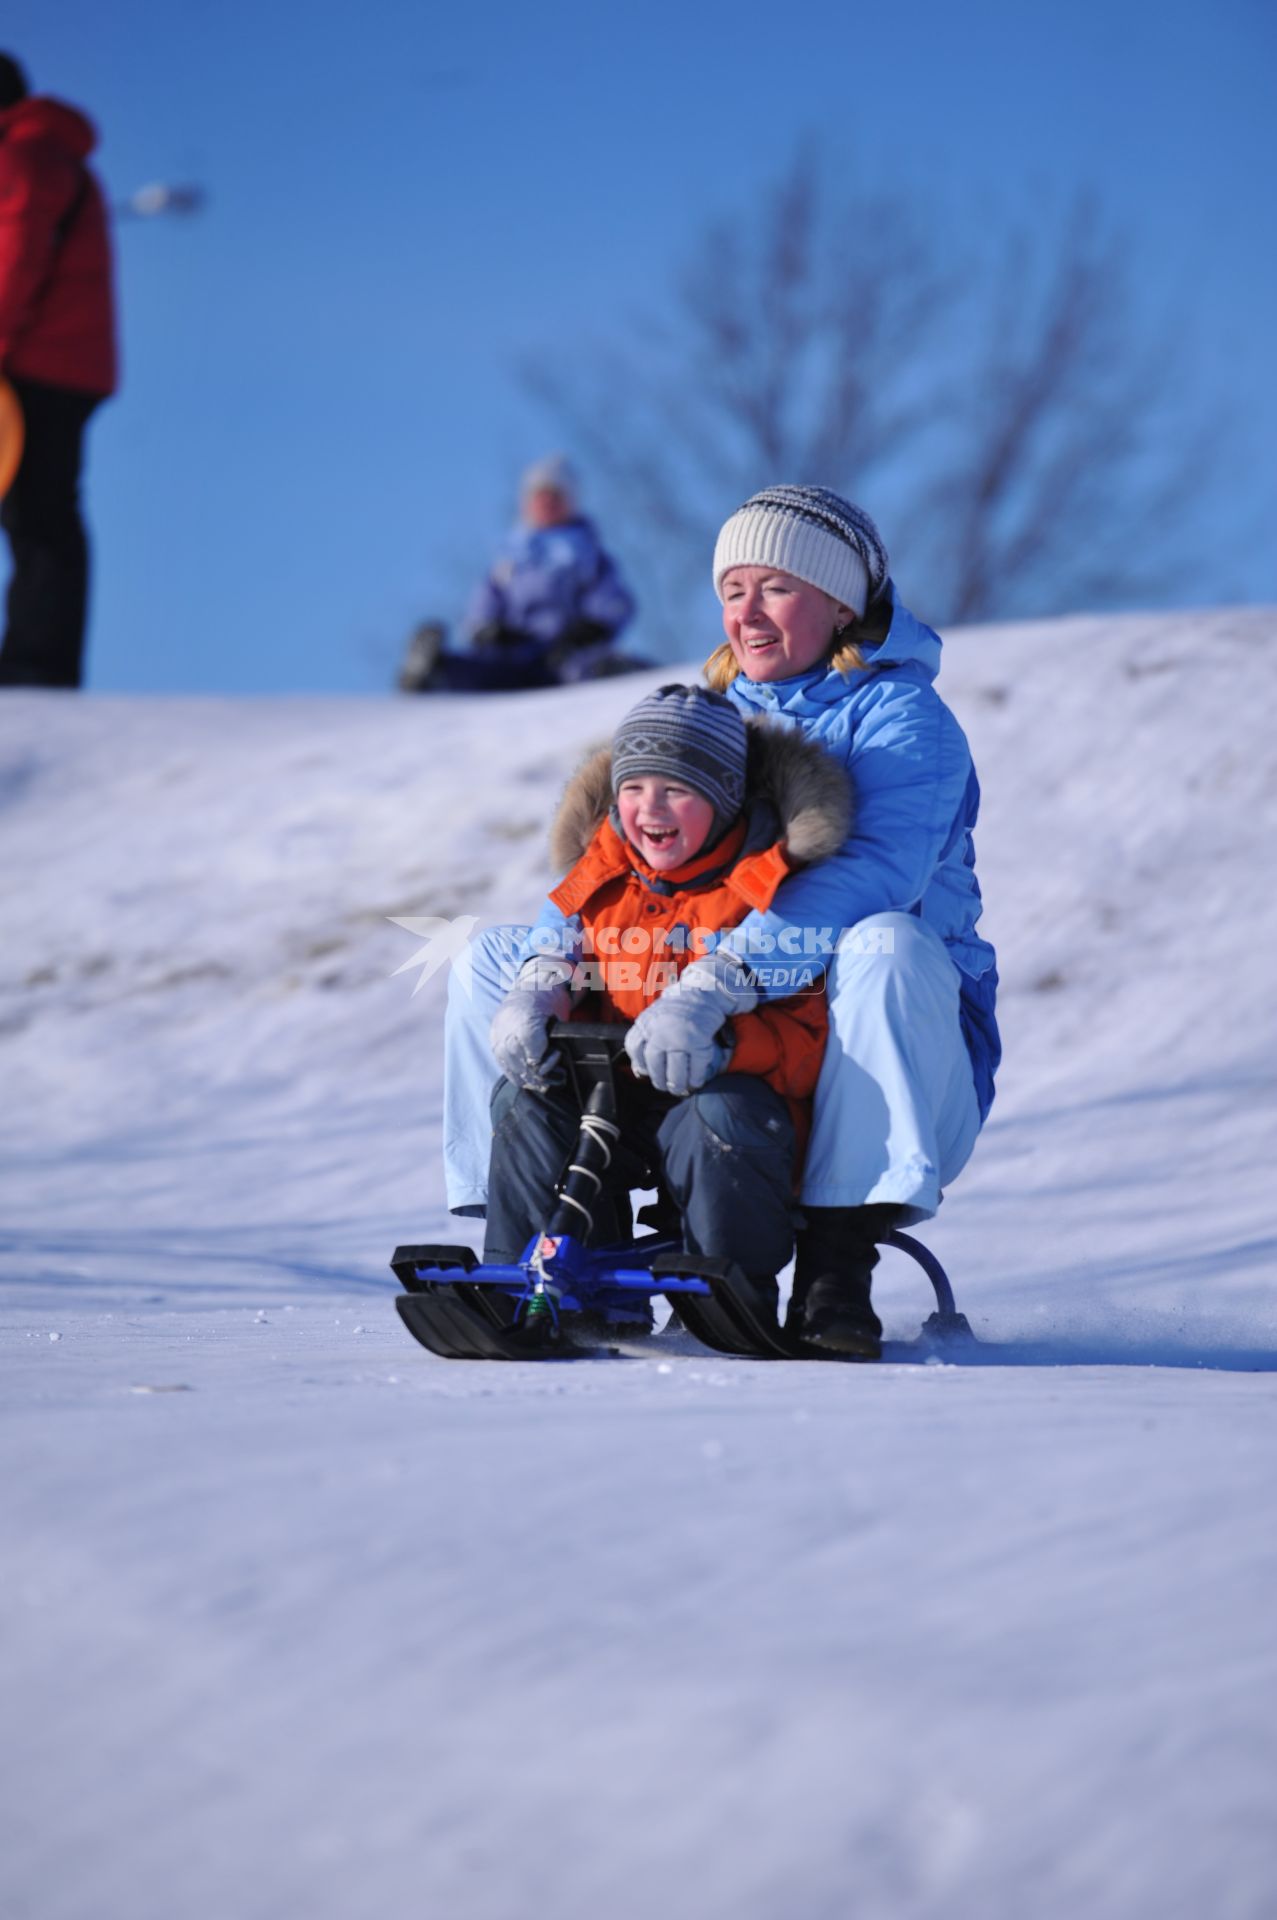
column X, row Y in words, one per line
column 1074, row 465
column 1005, row 420
column 790, row 346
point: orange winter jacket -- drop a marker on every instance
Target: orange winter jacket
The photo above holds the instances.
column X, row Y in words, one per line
column 642, row 928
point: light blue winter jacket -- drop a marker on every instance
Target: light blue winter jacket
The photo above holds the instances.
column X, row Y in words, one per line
column 916, row 800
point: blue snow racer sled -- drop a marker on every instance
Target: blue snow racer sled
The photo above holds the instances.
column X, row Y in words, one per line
column 564, row 1297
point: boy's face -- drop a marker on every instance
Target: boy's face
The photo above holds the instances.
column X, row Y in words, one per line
column 666, row 822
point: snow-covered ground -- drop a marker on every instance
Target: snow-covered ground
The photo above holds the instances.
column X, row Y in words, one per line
column 298, row 1620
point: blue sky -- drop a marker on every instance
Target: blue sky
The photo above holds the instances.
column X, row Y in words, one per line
column 320, row 430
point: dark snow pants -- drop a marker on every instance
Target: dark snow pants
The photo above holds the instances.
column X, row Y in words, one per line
column 48, row 591
column 725, row 1155
column 508, row 662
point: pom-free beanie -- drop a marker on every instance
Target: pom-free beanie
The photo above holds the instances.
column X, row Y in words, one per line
column 812, row 533
column 690, row 735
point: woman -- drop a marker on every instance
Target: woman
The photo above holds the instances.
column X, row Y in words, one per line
column 816, row 639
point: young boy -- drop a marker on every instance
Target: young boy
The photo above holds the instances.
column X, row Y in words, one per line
column 670, row 838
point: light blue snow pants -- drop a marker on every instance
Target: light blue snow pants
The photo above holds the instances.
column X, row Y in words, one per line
column 895, row 1117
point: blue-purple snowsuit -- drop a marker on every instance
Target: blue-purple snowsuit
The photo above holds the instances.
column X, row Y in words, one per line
column 546, row 582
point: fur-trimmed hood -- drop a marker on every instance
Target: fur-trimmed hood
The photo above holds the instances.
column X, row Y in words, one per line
column 806, row 791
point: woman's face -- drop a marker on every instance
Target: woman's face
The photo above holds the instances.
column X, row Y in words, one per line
column 777, row 626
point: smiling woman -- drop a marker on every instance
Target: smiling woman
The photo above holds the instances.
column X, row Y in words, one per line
column 817, row 639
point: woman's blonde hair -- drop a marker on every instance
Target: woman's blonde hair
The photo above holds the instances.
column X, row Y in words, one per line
column 722, row 666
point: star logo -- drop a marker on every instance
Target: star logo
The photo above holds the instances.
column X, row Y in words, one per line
column 444, row 942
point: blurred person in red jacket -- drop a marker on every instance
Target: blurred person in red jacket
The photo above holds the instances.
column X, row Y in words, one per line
column 57, row 350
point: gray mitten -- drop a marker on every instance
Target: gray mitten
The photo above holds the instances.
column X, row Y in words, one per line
column 520, row 1034
column 675, row 1042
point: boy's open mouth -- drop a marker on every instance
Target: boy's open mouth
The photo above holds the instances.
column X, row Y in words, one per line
column 659, row 836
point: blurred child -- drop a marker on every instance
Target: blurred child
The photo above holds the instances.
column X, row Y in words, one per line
column 549, row 610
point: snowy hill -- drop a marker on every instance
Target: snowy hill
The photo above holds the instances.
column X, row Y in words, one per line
column 300, row 1620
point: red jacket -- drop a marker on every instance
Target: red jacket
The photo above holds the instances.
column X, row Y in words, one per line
column 57, row 315
column 797, row 811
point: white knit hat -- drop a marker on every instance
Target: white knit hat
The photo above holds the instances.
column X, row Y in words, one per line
column 554, row 474
column 812, row 533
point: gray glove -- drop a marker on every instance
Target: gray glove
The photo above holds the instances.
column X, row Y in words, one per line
column 520, row 1034
column 675, row 1042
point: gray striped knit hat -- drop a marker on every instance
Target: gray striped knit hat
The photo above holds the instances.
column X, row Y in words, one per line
column 690, row 735
column 812, row 533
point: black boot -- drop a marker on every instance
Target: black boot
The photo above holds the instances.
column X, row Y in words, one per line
column 422, row 657
column 837, row 1253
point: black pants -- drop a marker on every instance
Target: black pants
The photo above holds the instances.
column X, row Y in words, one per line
column 49, row 590
column 725, row 1155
